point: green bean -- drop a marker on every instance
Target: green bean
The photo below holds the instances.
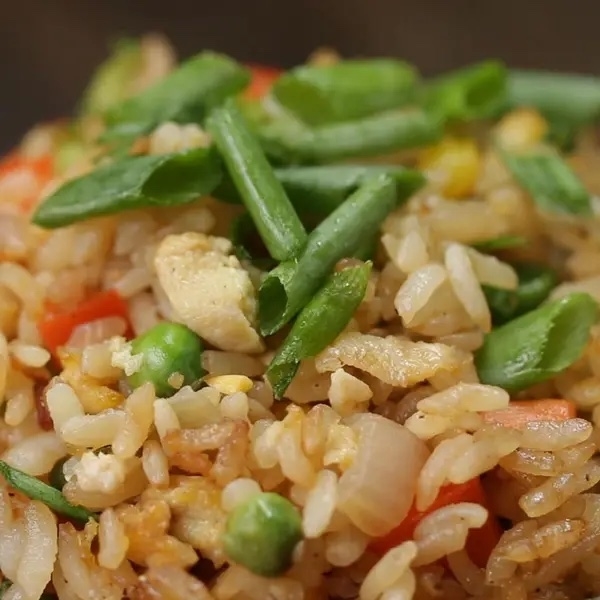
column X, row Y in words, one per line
column 288, row 141
column 289, row 287
column 111, row 80
column 57, row 477
column 538, row 345
column 535, row 284
column 132, row 183
column 475, row 92
column 320, row 190
column 318, row 324
column 262, row 533
column 167, row 349
column 562, row 97
column 550, row 181
column 263, row 195
column 38, row 490
column 184, row 96
column 347, row 90
column 502, row 242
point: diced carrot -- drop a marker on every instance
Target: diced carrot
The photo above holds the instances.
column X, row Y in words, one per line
column 41, row 168
column 520, row 412
column 261, row 82
column 56, row 328
column 480, row 542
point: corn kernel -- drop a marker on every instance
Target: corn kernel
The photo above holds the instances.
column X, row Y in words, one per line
column 229, row 384
column 521, row 129
column 455, row 164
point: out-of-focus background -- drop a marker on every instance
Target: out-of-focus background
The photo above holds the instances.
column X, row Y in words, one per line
column 48, row 48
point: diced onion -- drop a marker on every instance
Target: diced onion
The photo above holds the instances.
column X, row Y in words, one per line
column 377, row 491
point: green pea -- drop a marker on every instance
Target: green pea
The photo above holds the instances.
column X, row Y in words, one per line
column 166, row 349
column 261, row 534
column 535, row 284
column 57, row 476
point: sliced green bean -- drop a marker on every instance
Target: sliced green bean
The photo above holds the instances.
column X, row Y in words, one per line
column 502, row 242
column 538, row 345
column 535, row 284
column 38, row 490
column 263, row 195
column 113, row 77
column 347, row 90
column 563, row 97
column 291, row 285
column 321, row 189
column 184, row 96
column 288, row 141
column 550, row 180
column 318, row 324
column 475, row 92
column 57, row 477
column 132, row 183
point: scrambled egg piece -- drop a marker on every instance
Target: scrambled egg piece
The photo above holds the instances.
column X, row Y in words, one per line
column 99, row 472
column 209, row 290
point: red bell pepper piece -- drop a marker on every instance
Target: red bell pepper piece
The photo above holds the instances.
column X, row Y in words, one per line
column 480, row 542
column 262, row 80
column 56, row 328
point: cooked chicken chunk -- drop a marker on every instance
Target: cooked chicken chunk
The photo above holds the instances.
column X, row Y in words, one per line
column 209, row 290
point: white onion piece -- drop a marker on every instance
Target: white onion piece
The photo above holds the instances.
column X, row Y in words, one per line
column 377, row 491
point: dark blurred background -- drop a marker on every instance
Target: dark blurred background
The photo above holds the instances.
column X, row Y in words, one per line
column 48, row 48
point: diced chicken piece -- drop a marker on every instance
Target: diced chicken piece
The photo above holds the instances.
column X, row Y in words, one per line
column 209, row 290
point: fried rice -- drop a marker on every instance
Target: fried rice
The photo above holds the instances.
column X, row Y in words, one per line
column 412, row 472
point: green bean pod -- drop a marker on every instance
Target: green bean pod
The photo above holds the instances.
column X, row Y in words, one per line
column 290, row 286
column 347, row 90
column 262, row 193
column 318, row 324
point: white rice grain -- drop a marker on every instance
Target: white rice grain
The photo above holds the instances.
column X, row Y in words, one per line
column 489, row 270
column 139, row 411
column 217, row 362
column 344, row 547
column 97, row 331
column 237, row 492
column 155, row 464
column 348, row 394
column 63, row 403
column 36, row 454
column 4, row 365
column 466, row 287
column 28, row 355
column 165, row 417
column 418, row 290
column 388, row 571
column 196, row 408
column 39, row 549
column 19, row 406
column 93, row 431
column 234, row 406
column 143, row 312
column 112, row 540
column 320, row 504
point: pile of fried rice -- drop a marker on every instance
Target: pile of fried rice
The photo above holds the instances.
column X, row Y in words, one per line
column 411, row 477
